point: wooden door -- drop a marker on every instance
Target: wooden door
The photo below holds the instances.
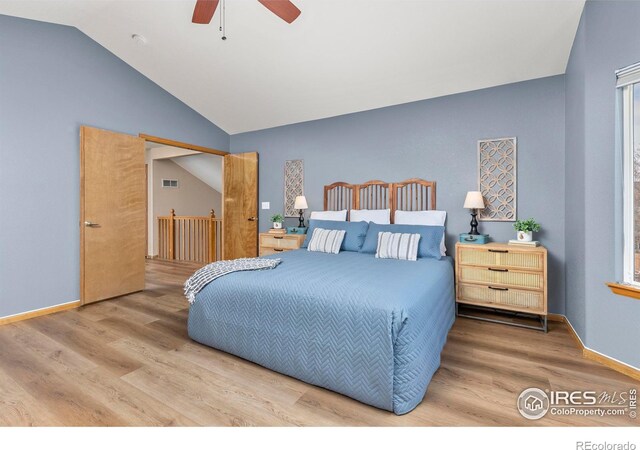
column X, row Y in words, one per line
column 112, row 214
column 240, row 211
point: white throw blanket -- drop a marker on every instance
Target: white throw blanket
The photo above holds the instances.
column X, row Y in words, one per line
column 217, row 269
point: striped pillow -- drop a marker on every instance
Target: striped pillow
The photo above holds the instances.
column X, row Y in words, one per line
column 326, row 241
column 398, row 246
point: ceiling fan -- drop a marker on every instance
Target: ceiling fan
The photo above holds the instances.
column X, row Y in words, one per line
column 287, row 11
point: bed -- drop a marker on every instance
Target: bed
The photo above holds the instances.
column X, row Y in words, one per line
column 368, row 328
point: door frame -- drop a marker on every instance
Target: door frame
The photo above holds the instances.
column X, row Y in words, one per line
column 172, row 143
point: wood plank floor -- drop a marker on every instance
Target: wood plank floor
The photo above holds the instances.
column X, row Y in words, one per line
column 129, row 362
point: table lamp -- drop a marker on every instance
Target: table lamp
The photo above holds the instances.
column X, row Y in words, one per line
column 474, row 202
column 301, row 204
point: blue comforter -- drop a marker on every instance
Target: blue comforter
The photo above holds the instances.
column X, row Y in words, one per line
column 369, row 328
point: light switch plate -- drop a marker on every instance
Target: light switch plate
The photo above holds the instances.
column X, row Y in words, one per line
column 266, row 205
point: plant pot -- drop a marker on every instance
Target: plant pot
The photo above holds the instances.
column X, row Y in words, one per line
column 525, row 236
column 278, row 225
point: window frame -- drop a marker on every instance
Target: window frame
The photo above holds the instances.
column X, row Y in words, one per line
column 627, row 78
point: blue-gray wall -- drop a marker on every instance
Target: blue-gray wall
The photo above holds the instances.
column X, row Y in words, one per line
column 608, row 39
column 436, row 140
column 53, row 79
column 575, row 183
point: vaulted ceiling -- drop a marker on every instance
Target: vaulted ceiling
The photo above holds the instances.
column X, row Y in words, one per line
column 338, row 57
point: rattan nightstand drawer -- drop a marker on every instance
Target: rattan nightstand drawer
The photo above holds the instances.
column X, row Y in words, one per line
column 264, row 251
column 272, row 243
column 501, row 297
column 502, row 277
column 284, row 242
column 501, row 257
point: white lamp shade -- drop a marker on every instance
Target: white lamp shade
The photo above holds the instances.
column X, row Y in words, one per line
column 474, row 200
column 300, row 203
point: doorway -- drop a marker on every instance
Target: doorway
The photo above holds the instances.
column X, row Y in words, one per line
column 184, row 204
column 115, row 211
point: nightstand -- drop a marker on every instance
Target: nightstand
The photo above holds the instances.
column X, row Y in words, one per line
column 503, row 277
column 275, row 243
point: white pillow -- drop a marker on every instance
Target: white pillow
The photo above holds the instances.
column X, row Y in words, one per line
column 340, row 216
column 398, row 246
column 380, row 216
column 326, row 241
column 423, row 218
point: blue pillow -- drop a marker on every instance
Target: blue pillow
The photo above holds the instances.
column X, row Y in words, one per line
column 428, row 247
column 354, row 236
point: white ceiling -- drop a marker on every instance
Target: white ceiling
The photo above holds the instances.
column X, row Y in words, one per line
column 207, row 168
column 338, row 57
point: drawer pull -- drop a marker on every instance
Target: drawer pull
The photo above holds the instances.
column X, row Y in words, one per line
column 278, row 237
column 497, row 289
column 498, row 251
column 497, row 270
column 279, row 249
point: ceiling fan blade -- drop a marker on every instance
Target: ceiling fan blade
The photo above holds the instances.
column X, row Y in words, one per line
column 284, row 9
column 203, row 12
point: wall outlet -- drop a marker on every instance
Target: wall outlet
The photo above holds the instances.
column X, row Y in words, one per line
column 266, row 205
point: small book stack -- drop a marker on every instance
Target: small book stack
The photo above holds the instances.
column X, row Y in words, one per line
column 277, row 231
column 524, row 243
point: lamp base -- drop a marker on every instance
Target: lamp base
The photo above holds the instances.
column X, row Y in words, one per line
column 301, row 219
column 474, row 223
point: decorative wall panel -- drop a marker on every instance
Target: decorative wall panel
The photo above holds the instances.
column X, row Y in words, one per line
column 293, row 185
column 497, row 179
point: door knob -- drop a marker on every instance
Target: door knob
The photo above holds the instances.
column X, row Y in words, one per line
column 252, row 219
column 90, row 224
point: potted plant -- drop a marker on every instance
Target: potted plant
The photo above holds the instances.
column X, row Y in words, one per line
column 525, row 229
column 277, row 220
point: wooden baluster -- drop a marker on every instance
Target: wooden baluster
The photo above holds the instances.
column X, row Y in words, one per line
column 205, row 241
column 212, row 237
column 160, row 237
column 172, row 215
column 198, row 244
column 183, row 234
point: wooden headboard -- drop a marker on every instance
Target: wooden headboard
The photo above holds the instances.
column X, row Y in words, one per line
column 374, row 194
column 339, row 195
column 413, row 194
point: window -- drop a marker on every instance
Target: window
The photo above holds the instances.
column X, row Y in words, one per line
column 629, row 85
column 173, row 183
